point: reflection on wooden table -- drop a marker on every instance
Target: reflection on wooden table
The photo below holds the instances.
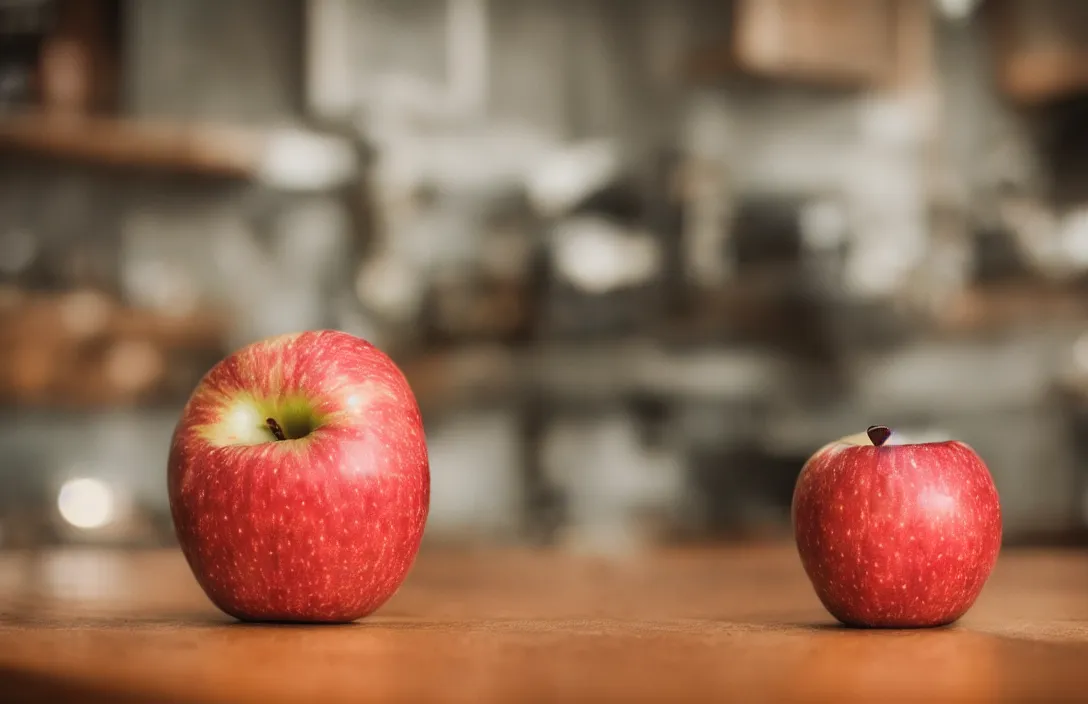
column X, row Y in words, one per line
column 516, row 625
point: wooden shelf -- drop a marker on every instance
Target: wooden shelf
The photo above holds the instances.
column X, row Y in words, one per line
column 998, row 307
column 202, row 149
column 85, row 349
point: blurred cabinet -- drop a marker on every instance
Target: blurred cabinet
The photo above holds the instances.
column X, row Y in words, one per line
column 1041, row 48
column 840, row 41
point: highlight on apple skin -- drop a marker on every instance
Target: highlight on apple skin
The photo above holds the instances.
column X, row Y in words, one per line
column 299, row 479
column 896, row 535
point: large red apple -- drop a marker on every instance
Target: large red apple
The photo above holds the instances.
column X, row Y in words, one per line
column 896, row 536
column 299, row 480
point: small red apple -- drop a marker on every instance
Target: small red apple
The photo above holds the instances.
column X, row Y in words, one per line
column 299, row 480
column 896, row 536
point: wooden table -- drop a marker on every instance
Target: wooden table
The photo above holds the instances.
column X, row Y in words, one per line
column 735, row 624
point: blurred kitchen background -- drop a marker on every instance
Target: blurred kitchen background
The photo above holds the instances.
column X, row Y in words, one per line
column 638, row 258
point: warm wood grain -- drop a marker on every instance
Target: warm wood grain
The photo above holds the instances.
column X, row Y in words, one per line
column 488, row 626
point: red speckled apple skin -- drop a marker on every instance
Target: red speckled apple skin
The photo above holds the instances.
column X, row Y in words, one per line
column 897, row 536
column 323, row 528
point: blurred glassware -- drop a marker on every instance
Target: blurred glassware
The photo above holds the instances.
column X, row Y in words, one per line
column 567, row 176
column 597, row 256
column 300, row 161
column 1073, row 235
column 956, row 10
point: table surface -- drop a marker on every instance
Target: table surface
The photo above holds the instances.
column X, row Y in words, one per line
column 523, row 625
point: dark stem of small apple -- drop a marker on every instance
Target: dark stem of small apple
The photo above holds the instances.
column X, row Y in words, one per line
column 276, row 429
column 878, row 434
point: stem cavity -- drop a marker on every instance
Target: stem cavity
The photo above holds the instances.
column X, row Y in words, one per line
column 278, row 431
column 878, row 434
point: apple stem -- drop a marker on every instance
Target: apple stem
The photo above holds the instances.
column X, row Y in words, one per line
column 878, row 434
column 276, row 429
